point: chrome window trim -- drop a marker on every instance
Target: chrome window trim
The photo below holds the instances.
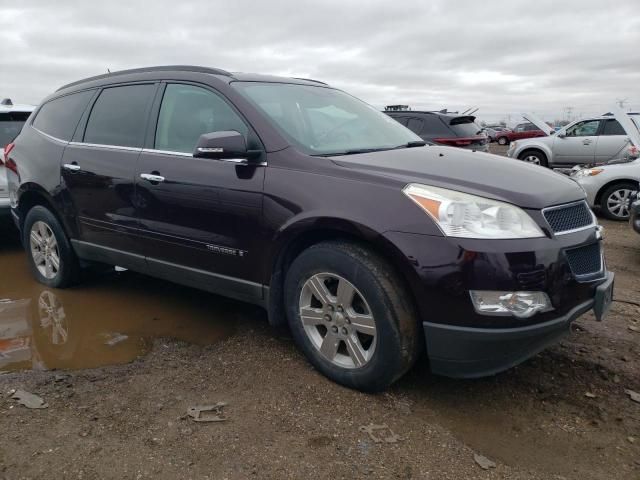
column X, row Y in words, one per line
column 235, row 161
column 565, row 205
column 55, row 139
column 167, row 152
column 108, row 147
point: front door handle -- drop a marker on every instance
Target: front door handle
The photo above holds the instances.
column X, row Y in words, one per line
column 586, row 142
column 150, row 177
column 72, row 167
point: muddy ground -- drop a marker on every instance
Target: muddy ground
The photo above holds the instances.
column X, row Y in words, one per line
column 120, row 359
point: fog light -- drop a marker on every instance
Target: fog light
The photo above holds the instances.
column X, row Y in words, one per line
column 518, row 304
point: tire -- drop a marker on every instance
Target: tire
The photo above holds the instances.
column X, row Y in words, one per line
column 535, row 157
column 382, row 338
column 614, row 201
column 51, row 258
column 503, row 140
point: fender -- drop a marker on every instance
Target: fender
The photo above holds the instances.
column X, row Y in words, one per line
column 540, row 143
column 29, row 194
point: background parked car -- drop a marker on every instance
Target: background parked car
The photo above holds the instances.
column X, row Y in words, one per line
column 12, row 117
column 449, row 129
column 613, row 185
column 610, row 187
column 586, row 141
column 521, row 131
column 491, row 131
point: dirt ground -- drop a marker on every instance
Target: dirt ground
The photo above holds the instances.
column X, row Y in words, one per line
column 119, row 360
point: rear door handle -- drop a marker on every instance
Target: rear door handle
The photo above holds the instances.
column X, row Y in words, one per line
column 152, row 178
column 72, row 167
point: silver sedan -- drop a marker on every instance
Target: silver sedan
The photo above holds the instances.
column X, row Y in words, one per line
column 609, row 187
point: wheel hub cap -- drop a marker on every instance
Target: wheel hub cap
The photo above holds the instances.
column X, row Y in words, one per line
column 44, row 250
column 338, row 320
column 618, row 203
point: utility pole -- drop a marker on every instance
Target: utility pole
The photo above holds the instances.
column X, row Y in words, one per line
column 569, row 111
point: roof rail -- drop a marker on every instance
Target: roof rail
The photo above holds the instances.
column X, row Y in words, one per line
column 310, row 80
column 182, row 68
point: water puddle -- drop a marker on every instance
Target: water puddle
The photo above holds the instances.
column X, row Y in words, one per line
column 111, row 319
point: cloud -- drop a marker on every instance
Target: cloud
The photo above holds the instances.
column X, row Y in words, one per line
column 504, row 57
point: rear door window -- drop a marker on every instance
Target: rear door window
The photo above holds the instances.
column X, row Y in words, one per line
column 612, row 127
column 60, row 116
column 10, row 125
column 119, row 116
column 188, row 111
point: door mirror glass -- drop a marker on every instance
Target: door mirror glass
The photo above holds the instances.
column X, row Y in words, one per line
column 222, row 145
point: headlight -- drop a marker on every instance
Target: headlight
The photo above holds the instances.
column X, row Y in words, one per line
column 588, row 172
column 468, row 216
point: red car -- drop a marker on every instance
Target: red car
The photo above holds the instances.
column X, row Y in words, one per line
column 522, row 130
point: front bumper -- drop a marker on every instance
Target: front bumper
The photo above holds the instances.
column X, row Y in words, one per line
column 477, row 352
column 634, row 215
column 462, row 343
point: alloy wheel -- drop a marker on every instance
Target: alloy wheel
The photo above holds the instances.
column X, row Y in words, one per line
column 618, row 202
column 44, row 250
column 338, row 320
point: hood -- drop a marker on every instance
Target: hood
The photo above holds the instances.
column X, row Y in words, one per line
column 477, row 173
column 628, row 124
column 538, row 122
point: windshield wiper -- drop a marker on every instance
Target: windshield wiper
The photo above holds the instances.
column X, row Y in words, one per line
column 355, row 151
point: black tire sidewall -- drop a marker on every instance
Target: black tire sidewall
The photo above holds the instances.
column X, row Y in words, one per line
column 67, row 274
column 386, row 365
column 605, row 196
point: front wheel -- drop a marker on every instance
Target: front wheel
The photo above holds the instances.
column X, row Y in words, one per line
column 503, row 141
column 348, row 312
column 614, row 201
column 535, row 157
column 50, row 256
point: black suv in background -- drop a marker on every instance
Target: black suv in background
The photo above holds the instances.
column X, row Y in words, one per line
column 302, row 199
column 440, row 128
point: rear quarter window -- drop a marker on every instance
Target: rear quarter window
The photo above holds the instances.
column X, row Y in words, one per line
column 10, row 125
column 59, row 117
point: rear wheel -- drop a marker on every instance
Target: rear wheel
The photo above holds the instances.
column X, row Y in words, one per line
column 503, row 140
column 50, row 256
column 535, row 157
column 349, row 314
column 614, row 201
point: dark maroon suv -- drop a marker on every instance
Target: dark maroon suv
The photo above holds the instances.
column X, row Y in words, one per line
column 298, row 197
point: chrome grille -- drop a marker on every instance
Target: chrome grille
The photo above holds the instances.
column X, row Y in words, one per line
column 567, row 218
column 585, row 260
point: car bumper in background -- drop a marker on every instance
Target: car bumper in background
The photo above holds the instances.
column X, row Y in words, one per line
column 590, row 185
column 5, row 206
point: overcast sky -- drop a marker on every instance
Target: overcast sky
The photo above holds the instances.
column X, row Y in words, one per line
column 504, row 57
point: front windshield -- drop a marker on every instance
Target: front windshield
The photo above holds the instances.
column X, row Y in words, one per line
column 325, row 121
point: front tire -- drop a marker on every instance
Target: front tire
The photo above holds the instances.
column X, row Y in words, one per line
column 535, row 157
column 503, row 141
column 51, row 258
column 614, row 202
column 349, row 314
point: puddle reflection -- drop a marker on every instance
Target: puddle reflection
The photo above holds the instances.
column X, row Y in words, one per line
column 112, row 319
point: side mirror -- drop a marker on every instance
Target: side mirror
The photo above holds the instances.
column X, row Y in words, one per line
column 227, row 145
column 561, row 135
